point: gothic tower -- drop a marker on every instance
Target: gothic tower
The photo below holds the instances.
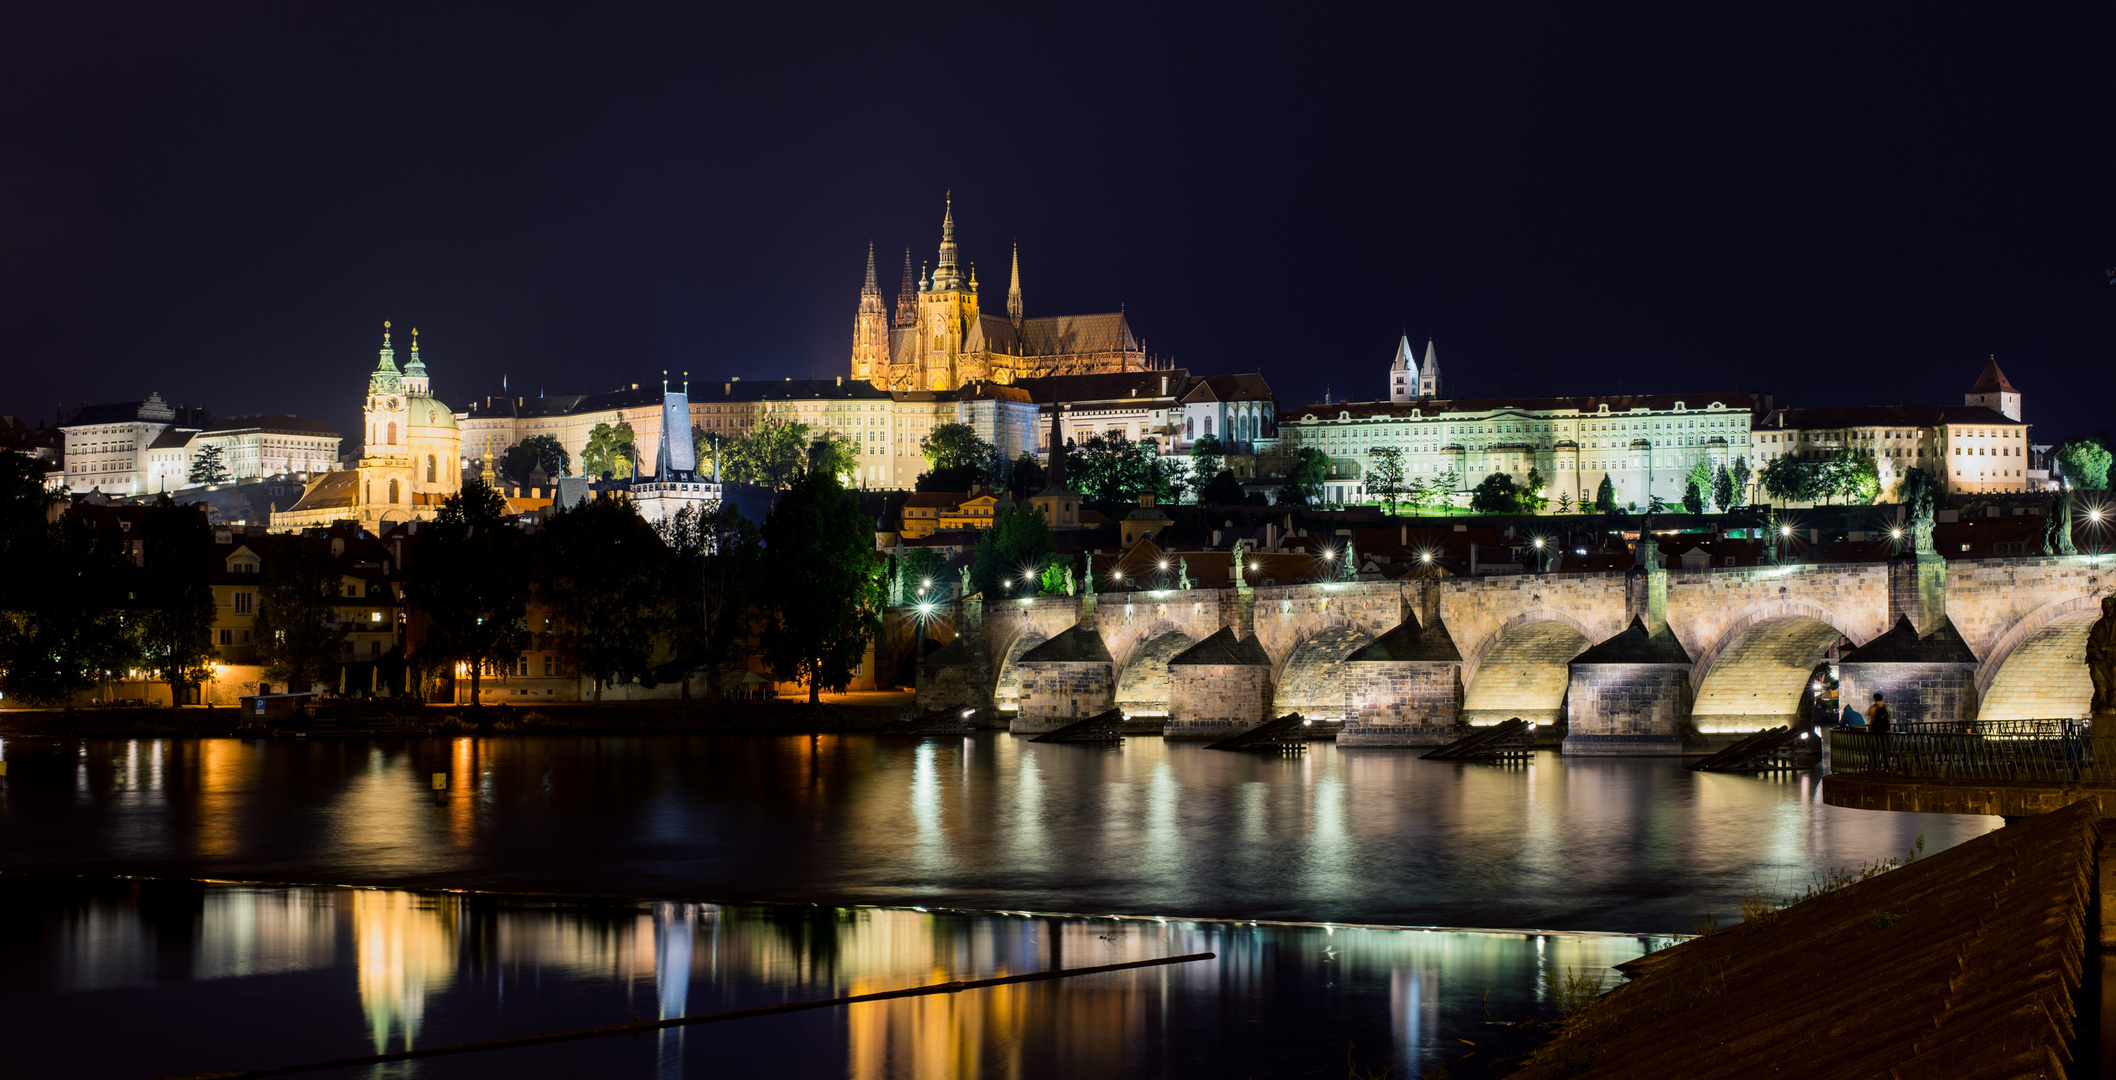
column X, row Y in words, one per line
column 1400, row 372
column 1014, row 291
column 1429, row 373
column 947, row 312
column 870, row 328
column 907, row 296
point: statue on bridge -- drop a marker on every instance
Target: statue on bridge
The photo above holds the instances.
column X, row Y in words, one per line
column 1241, row 580
column 2057, row 526
column 965, row 584
column 2101, row 657
column 1089, row 576
column 1919, row 500
column 1070, row 584
column 1182, row 573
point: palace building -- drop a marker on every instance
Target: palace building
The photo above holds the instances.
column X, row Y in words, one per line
column 411, row 456
column 939, row 338
column 1644, row 443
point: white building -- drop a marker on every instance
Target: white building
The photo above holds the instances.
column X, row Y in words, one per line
column 1645, row 444
column 250, row 446
column 107, row 445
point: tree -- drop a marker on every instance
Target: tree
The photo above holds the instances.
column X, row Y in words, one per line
column 1385, row 473
column 1495, row 494
column 608, row 573
column 1700, row 474
column 175, row 603
column 773, row 454
column 1223, row 490
column 1028, row 477
column 62, row 623
column 955, row 446
column 1854, row 478
column 1304, row 478
column 714, row 555
column 922, row 571
column 538, row 452
column 838, row 454
column 1207, row 458
column 609, row 451
column 821, row 584
column 470, row 583
column 1741, row 479
column 1693, row 499
column 298, row 633
column 1564, row 503
column 1019, row 542
column 207, row 467
column 1787, row 477
column 1605, row 496
column 1531, row 498
column 2084, row 464
column 1723, row 488
column 1111, row 467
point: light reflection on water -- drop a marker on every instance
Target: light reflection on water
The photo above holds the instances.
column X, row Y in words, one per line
column 230, row 976
column 986, row 822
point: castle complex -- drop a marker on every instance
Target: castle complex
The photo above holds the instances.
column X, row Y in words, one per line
column 939, row 339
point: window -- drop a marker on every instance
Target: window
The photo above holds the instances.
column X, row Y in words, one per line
column 393, row 491
column 243, row 602
column 227, row 637
column 429, row 468
column 393, row 438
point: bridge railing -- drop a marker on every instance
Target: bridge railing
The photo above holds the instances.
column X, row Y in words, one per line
column 2030, row 751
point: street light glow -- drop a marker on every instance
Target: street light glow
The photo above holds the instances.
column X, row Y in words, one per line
column 1896, row 533
column 1785, row 530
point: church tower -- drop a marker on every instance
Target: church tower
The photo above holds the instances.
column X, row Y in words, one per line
column 907, row 296
column 1993, row 391
column 385, row 460
column 870, row 329
column 1429, row 373
column 947, row 311
column 1400, row 372
column 1014, row 291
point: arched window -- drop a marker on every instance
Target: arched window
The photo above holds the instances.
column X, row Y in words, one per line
column 393, row 491
column 429, row 468
column 1208, row 425
column 370, row 491
column 393, row 438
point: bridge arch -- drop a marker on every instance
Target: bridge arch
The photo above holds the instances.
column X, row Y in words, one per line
column 1752, row 677
column 1521, row 669
column 1006, row 690
column 1142, row 685
column 2037, row 668
column 1312, row 680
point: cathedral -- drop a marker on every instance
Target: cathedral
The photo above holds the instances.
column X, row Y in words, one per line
column 410, row 459
column 939, row 339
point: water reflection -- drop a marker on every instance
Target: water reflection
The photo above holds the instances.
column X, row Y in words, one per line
column 987, row 822
column 209, row 976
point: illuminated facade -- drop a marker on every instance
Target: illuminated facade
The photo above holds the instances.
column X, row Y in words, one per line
column 1976, row 448
column 940, row 338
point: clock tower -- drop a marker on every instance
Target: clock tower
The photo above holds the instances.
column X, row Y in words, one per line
column 386, row 459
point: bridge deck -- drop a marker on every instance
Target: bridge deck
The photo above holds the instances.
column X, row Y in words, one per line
column 1961, row 964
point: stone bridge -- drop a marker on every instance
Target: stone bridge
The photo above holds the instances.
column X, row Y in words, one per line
column 1628, row 659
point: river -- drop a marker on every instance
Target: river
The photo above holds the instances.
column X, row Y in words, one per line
column 670, row 843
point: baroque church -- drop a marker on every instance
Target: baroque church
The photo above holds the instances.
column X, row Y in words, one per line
column 938, row 338
column 410, row 459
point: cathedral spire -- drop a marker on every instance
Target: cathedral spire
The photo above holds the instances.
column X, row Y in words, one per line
column 1014, row 290
column 946, row 273
column 388, row 362
column 871, row 288
column 907, row 296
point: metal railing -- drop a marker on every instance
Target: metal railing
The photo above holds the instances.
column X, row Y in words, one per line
column 2027, row 751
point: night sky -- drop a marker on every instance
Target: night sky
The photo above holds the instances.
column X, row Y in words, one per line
column 222, row 202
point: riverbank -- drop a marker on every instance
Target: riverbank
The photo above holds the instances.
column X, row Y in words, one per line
column 847, row 713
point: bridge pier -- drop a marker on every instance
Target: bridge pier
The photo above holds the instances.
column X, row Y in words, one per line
column 1219, row 687
column 1405, row 689
column 1629, row 696
column 1070, row 677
